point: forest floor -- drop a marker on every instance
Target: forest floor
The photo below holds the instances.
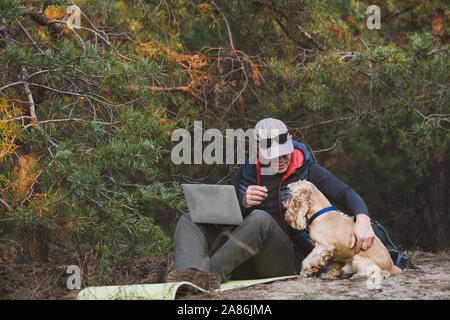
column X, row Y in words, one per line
column 431, row 281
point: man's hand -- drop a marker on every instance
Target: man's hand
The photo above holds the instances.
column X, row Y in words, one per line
column 362, row 235
column 254, row 196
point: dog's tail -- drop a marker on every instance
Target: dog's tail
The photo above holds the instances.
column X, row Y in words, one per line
column 395, row 271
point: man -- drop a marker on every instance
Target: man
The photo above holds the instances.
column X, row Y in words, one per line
column 263, row 245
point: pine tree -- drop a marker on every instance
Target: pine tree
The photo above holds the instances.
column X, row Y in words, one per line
column 86, row 114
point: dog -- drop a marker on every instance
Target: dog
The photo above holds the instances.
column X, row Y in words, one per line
column 330, row 233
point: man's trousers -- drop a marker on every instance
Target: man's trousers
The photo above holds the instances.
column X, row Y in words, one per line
column 257, row 248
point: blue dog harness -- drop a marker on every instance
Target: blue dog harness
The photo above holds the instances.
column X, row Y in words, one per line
column 318, row 213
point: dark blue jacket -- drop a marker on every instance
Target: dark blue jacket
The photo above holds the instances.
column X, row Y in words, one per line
column 301, row 167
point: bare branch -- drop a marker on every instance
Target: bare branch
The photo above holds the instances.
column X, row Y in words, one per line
column 22, row 82
column 314, row 41
column 90, row 96
column 322, row 123
column 7, row 206
column 66, row 120
column 230, row 36
column 327, row 149
column 168, row 89
column 34, row 119
column 10, row 85
column 28, row 35
column 124, row 184
column 36, row 73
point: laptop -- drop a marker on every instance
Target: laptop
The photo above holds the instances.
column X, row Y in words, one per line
column 212, row 203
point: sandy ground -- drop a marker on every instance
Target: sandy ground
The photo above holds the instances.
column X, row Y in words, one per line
column 431, row 281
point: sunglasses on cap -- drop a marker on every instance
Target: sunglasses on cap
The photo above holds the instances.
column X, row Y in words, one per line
column 267, row 143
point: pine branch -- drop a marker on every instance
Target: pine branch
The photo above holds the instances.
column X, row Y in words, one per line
column 286, row 31
column 305, row 33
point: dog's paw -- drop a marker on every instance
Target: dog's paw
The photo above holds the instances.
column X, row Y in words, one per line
column 357, row 276
column 347, row 270
column 308, row 273
column 330, row 276
column 373, row 271
column 305, row 275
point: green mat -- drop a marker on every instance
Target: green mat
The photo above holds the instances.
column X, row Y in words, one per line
column 159, row 291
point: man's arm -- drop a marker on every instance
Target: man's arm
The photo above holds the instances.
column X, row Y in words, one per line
column 338, row 192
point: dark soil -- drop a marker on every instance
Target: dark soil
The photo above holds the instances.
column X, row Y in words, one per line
column 21, row 279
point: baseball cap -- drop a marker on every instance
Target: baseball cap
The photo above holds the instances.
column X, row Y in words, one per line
column 273, row 138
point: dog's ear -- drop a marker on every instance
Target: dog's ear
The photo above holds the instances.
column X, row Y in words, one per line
column 304, row 204
column 297, row 208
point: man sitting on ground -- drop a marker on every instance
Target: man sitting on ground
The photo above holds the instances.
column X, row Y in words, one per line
column 264, row 245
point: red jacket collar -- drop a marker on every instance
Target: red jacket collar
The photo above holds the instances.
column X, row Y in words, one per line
column 297, row 159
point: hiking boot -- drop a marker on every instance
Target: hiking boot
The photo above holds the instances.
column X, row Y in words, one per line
column 158, row 275
column 205, row 280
